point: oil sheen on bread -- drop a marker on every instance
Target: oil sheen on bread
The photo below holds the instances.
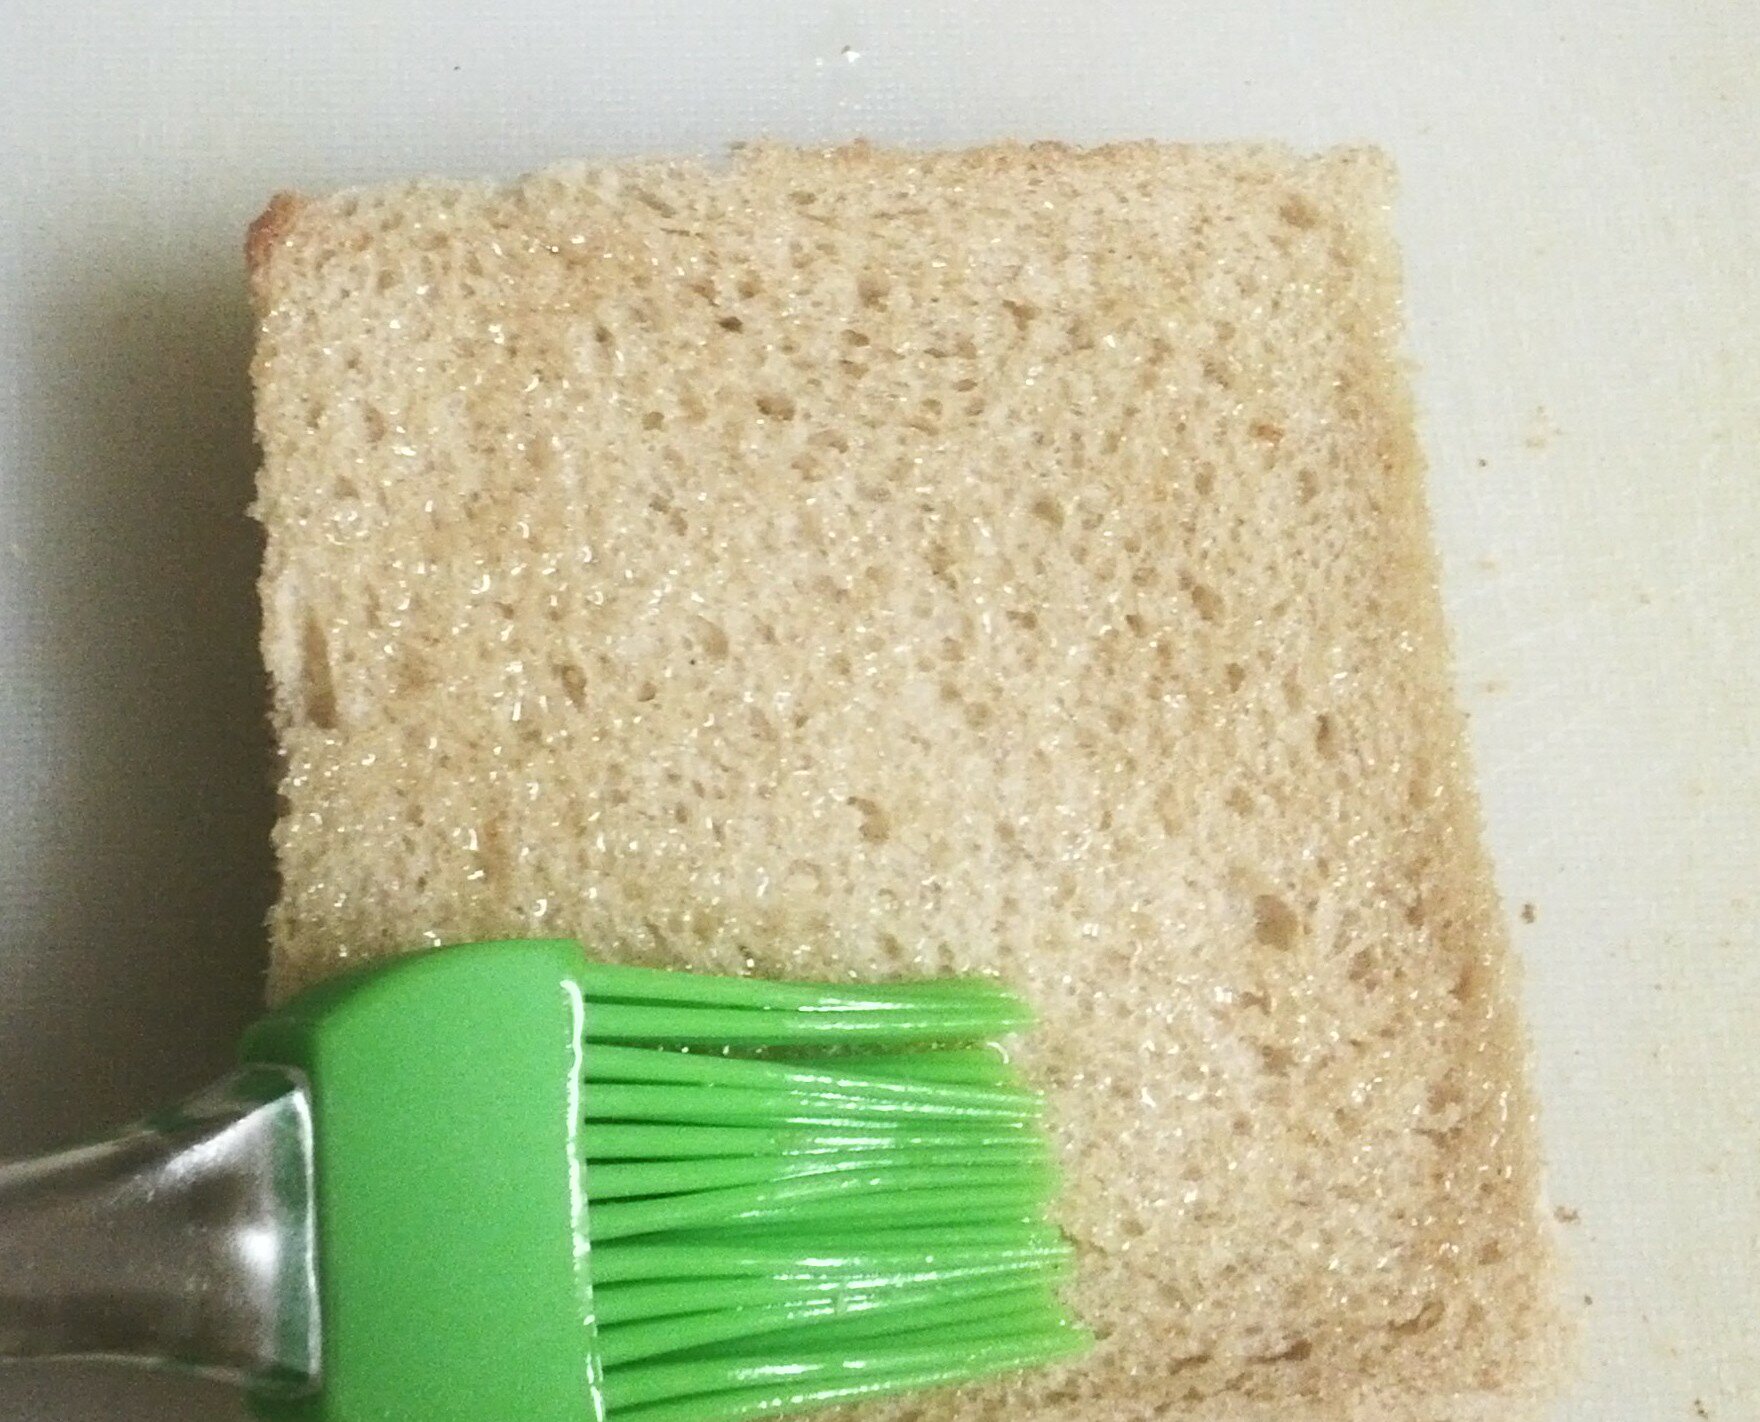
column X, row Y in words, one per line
column 860, row 563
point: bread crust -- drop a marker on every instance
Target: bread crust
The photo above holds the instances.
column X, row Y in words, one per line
column 271, row 227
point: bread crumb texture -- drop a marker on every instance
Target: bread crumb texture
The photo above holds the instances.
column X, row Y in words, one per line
column 860, row 564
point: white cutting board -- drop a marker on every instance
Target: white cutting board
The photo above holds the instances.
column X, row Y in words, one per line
column 1582, row 193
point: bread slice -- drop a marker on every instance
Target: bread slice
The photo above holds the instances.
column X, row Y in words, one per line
column 864, row 563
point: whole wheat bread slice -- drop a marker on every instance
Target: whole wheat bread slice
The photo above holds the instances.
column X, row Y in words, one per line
column 861, row 563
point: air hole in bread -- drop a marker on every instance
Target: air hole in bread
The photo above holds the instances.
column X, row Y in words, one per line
column 653, row 201
column 1205, row 598
column 414, row 674
column 316, row 680
column 493, row 852
column 710, row 638
column 1296, row 1352
column 1426, row 1318
column 1298, row 212
column 1275, row 924
column 573, row 681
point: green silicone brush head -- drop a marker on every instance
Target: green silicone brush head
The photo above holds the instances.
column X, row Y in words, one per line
column 561, row 1190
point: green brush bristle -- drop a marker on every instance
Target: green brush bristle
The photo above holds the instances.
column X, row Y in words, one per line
column 563, row 1190
column 776, row 1233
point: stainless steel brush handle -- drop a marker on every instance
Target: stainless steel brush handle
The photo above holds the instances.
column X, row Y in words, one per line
column 186, row 1240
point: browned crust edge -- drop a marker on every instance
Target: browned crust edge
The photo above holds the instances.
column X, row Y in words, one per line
column 267, row 232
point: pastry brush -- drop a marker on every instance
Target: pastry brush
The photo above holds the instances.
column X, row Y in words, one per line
column 500, row 1180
